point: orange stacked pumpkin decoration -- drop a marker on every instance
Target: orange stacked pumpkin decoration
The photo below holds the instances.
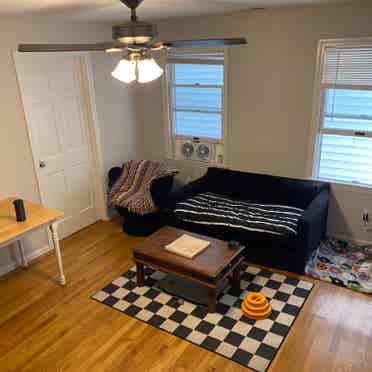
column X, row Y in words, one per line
column 256, row 306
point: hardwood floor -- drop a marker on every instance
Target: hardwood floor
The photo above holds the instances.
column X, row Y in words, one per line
column 44, row 327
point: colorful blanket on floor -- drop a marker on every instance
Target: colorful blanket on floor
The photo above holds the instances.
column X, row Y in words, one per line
column 133, row 188
column 343, row 263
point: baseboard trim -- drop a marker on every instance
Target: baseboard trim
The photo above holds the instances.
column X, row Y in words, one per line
column 39, row 252
column 5, row 269
column 350, row 239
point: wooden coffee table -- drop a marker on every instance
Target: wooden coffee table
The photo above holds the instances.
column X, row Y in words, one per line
column 210, row 268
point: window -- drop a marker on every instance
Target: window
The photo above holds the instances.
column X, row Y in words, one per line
column 343, row 146
column 195, row 95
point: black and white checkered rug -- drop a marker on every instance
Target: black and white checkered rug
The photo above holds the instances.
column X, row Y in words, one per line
column 227, row 332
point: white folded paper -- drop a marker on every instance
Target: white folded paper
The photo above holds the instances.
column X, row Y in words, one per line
column 187, row 246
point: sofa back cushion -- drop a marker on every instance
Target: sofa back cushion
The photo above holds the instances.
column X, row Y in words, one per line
column 263, row 188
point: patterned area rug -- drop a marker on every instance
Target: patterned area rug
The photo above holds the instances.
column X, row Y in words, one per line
column 227, row 332
column 344, row 264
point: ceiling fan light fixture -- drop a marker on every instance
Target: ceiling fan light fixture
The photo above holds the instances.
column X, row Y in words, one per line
column 133, row 40
column 138, row 67
column 125, row 71
column 135, row 33
column 148, row 70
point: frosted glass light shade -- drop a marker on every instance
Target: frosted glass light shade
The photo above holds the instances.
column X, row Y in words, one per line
column 148, row 70
column 125, row 71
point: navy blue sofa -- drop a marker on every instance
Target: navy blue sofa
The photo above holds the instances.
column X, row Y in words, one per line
column 280, row 251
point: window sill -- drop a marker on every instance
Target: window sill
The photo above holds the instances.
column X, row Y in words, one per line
column 348, row 186
column 197, row 162
column 218, row 141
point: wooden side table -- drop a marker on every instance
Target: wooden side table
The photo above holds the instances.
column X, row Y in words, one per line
column 38, row 217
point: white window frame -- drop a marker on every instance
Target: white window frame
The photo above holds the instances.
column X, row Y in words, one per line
column 318, row 108
column 170, row 135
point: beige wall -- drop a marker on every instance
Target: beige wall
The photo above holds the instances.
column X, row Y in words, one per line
column 270, row 93
column 120, row 127
column 119, row 134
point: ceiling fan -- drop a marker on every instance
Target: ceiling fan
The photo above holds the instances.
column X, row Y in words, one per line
column 137, row 39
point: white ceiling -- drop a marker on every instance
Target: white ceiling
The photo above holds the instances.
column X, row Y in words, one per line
column 114, row 11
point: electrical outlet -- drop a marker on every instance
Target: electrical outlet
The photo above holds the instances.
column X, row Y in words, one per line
column 366, row 219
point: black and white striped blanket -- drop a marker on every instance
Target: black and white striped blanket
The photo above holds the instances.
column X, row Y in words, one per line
column 218, row 210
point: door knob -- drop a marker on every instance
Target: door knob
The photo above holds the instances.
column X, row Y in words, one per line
column 42, row 164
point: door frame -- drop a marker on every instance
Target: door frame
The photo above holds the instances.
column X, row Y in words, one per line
column 92, row 122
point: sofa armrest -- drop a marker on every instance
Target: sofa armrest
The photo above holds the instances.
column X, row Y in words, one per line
column 160, row 190
column 185, row 192
column 312, row 225
column 113, row 175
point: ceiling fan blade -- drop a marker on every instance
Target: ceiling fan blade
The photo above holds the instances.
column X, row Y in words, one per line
column 157, row 46
column 204, row 42
column 66, row 47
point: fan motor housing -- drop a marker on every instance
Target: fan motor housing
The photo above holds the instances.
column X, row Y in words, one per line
column 134, row 32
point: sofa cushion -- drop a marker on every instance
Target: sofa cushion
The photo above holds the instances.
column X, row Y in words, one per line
column 220, row 210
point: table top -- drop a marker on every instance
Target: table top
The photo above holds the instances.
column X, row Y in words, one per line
column 37, row 216
column 207, row 264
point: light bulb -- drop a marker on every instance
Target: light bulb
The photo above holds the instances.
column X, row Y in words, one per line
column 148, row 70
column 125, row 71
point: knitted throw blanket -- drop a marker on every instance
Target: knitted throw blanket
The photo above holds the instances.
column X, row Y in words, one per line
column 132, row 189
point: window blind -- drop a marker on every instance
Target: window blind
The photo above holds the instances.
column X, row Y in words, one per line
column 199, row 56
column 346, row 159
column 346, row 126
column 348, row 66
column 196, row 90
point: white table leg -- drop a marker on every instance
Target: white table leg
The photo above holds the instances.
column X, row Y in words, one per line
column 53, row 229
column 22, row 253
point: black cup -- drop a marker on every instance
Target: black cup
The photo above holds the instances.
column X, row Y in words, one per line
column 20, row 210
column 233, row 244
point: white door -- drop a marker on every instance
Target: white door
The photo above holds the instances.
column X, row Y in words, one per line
column 53, row 99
